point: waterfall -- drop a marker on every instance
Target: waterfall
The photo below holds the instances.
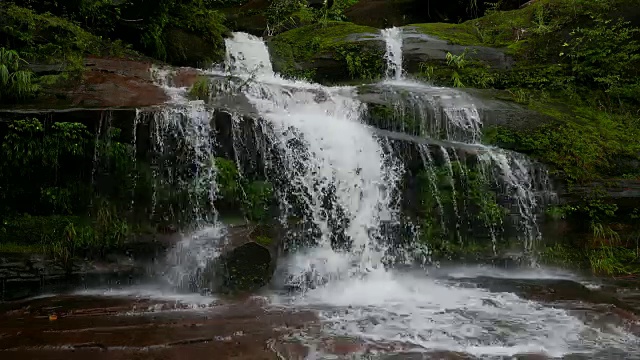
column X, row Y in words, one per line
column 335, row 166
column 450, row 115
column 393, row 41
column 184, row 172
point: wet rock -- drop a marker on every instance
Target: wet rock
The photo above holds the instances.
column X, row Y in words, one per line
column 418, row 48
column 110, row 83
column 95, row 327
column 290, row 350
column 392, row 106
column 434, row 355
column 560, row 291
column 529, row 357
column 185, row 77
column 625, row 192
column 331, row 54
column 249, row 18
column 247, row 262
column 188, row 49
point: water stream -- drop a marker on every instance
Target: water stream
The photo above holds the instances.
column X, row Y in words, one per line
column 344, row 180
column 342, row 173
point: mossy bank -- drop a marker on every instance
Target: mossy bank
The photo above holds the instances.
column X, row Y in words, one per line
column 329, row 52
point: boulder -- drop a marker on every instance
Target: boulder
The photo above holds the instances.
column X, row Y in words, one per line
column 185, row 48
column 419, row 47
column 331, row 53
column 106, row 82
column 249, row 18
column 247, row 262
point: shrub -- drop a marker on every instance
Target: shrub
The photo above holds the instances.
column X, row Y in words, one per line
column 15, row 83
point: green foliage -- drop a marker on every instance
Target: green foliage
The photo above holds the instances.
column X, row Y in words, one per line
column 228, row 179
column 606, row 55
column 45, row 37
column 254, row 198
column 258, row 199
column 49, row 196
column 201, row 89
column 295, row 50
column 159, row 21
column 581, row 144
column 605, row 259
column 66, row 238
column 613, row 260
column 15, row 83
column 469, row 194
column 580, row 49
column 366, row 65
column 284, row 15
column 166, row 29
column 459, row 72
column 48, row 154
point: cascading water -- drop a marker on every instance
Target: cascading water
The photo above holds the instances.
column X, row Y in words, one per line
column 344, row 179
column 185, row 172
column 336, row 167
column 447, row 115
column 393, row 41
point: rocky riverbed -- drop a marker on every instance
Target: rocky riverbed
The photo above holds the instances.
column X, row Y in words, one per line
column 140, row 322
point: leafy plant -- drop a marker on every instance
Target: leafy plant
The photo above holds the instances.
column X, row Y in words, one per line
column 54, row 154
column 15, row 83
column 201, row 89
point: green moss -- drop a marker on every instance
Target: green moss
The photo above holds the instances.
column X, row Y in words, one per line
column 264, row 240
column 581, row 143
column 465, row 202
column 252, row 197
column 459, row 34
column 49, row 38
column 498, row 29
column 296, row 51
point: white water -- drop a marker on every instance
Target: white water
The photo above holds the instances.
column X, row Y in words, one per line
column 393, row 40
column 451, row 116
column 324, row 145
column 183, row 141
column 326, row 151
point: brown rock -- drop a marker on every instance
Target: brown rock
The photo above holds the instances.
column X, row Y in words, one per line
column 185, row 77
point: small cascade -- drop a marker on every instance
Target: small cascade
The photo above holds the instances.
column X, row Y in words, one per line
column 185, row 187
column 449, row 115
column 393, row 40
column 454, row 195
column 429, row 165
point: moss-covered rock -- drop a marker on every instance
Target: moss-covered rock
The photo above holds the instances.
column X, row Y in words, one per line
column 185, row 48
column 248, row 259
column 560, row 50
column 331, row 52
column 425, row 51
column 51, row 39
column 250, row 17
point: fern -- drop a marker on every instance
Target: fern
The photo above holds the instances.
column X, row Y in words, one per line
column 15, row 83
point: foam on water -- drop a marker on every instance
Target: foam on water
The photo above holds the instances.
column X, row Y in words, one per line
column 325, row 149
column 429, row 315
column 191, row 300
